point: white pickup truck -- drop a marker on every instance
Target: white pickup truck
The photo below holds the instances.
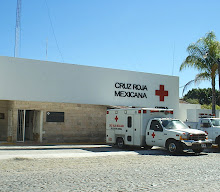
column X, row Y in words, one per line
column 146, row 127
column 211, row 126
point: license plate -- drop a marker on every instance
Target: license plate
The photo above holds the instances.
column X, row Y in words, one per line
column 203, row 145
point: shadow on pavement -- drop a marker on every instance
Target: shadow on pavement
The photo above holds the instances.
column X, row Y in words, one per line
column 158, row 151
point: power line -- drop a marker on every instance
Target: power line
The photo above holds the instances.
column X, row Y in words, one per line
column 53, row 31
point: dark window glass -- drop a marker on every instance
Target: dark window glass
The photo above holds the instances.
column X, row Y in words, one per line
column 205, row 124
column 2, row 116
column 156, row 126
column 129, row 121
column 55, row 116
column 129, row 138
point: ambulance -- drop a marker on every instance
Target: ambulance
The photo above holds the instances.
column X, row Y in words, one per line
column 209, row 124
column 148, row 127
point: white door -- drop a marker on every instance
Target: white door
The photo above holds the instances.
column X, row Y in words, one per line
column 205, row 125
column 129, row 130
column 155, row 135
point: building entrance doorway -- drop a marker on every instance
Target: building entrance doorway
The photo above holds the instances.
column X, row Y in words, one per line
column 29, row 126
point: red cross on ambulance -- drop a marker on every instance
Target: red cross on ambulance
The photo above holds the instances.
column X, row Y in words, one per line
column 116, row 118
column 153, row 135
column 161, row 93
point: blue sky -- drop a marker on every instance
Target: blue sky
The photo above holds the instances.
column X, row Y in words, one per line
column 137, row 35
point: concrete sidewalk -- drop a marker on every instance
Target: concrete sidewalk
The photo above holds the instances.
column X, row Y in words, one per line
column 62, row 151
column 50, row 146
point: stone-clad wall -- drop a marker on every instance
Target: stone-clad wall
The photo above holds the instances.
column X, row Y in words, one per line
column 82, row 123
column 4, row 121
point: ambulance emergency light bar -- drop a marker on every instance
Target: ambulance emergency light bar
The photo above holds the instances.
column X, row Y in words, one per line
column 170, row 111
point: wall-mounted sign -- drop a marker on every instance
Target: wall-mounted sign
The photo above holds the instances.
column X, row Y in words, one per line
column 55, row 117
column 45, row 81
column 130, row 90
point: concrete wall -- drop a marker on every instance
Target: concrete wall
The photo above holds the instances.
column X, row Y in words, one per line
column 183, row 107
column 82, row 123
column 43, row 81
column 193, row 115
column 191, row 112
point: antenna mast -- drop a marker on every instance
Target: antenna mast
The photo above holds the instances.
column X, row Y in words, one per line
column 17, row 28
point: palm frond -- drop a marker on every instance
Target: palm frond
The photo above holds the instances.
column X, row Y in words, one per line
column 193, row 62
column 187, row 85
column 202, row 77
column 199, row 77
column 196, row 49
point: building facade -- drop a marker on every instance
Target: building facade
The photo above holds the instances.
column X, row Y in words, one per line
column 52, row 122
column 50, row 102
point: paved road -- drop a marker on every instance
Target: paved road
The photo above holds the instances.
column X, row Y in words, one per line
column 102, row 168
column 69, row 151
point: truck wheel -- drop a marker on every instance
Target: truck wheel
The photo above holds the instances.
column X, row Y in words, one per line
column 218, row 142
column 174, row 147
column 197, row 150
column 120, row 143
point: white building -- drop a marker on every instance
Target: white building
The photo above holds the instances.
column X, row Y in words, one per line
column 54, row 102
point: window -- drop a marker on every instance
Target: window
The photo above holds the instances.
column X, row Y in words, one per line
column 205, row 123
column 215, row 122
column 174, row 124
column 129, row 138
column 55, row 117
column 129, row 123
column 2, row 116
column 155, row 125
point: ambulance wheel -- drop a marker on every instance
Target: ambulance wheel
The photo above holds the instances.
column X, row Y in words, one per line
column 173, row 147
column 120, row 143
column 218, row 142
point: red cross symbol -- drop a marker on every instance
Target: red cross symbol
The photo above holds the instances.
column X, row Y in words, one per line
column 162, row 93
column 153, row 135
column 116, row 118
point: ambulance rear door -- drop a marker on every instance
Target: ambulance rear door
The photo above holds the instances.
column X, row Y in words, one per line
column 129, row 129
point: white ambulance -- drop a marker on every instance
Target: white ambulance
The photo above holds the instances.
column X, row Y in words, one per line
column 209, row 124
column 147, row 127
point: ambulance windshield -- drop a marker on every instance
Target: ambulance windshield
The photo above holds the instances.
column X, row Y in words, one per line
column 174, row 124
column 215, row 122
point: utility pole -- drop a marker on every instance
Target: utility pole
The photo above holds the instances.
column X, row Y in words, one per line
column 17, row 29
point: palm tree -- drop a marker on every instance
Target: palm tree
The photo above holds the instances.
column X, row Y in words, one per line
column 203, row 56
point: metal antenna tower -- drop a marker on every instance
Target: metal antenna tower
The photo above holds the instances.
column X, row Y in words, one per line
column 17, row 28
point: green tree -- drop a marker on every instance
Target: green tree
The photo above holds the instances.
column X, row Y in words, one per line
column 203, row 96
column 206, row 46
